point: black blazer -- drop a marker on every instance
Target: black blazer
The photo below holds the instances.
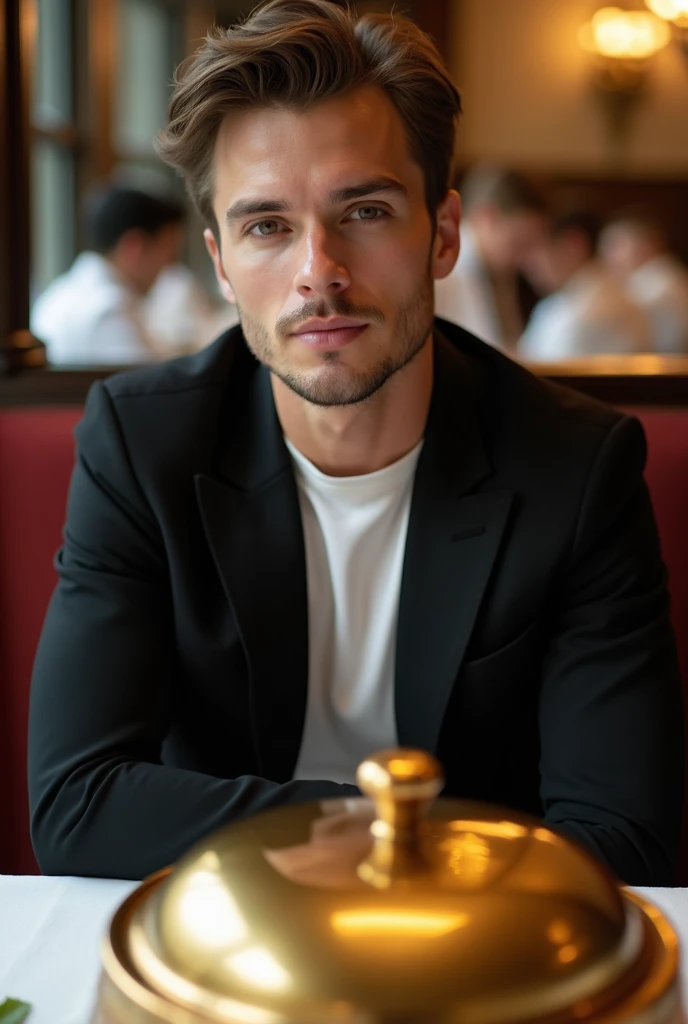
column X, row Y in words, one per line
column 534, row 652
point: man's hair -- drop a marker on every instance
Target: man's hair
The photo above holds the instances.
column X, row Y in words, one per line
column 581, row 222
column 507, row 190
column 109, row 211
column 293, row 53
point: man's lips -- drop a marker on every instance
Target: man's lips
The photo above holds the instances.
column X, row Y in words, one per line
column 329, row 334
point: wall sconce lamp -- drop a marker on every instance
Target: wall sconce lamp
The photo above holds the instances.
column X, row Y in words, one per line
column 622, row 44
column 675, row 12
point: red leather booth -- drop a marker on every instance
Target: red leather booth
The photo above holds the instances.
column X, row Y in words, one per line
column 36, row 456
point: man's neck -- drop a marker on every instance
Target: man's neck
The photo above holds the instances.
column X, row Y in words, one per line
column 352, row 440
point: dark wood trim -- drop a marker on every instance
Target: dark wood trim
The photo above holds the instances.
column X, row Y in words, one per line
column 50, row 387
column 629, row 391
column 199, row 17
column 435, row 19
column 53, row 387
column 102, row 61
column 17, row 39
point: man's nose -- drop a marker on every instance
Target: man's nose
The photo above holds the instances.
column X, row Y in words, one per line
column 321, row 272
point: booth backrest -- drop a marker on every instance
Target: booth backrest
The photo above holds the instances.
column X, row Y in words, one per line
column 36, row 457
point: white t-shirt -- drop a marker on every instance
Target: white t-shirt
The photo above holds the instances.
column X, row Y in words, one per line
column 355, row 537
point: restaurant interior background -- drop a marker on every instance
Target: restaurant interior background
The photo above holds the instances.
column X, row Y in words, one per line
column 96, row 75
column 84, row 86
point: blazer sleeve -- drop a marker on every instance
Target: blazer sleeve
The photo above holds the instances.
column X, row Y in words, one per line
column 102, row 802
column 611, row 716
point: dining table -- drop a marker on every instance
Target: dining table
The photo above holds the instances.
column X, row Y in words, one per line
column 51, row 929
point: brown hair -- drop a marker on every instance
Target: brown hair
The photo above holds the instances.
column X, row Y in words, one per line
column 292, row 53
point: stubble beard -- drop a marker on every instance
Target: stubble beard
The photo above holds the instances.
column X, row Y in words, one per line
column 346, row 387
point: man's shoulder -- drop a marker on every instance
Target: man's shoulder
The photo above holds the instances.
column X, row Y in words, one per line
column 510, row 393
column 170, row 416
column 201, row 373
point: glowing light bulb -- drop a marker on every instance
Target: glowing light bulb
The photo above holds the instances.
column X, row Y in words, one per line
column 670, row 10
column 625, row 35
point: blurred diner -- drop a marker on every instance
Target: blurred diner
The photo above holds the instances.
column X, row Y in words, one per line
column 634, row 246
column 504, row 219
column 587, row 311
column 180, row 314
column 94, row 313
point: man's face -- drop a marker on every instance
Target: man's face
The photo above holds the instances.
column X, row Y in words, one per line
column 624, row 250
column 327, row 245
column 141, row 257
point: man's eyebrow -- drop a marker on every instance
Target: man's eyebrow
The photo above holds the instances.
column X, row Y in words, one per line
column 367, row 188
column 256, row 207
column 251, row 207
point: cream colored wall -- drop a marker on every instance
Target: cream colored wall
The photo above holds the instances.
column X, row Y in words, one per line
column 525, row 83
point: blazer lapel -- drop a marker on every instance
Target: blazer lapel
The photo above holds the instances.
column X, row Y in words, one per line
column 452, row 543
column 253, row 525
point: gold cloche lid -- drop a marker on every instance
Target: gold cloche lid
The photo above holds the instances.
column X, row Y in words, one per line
column 397, row 909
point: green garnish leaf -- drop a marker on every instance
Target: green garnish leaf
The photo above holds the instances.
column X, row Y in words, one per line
column 13, row 1011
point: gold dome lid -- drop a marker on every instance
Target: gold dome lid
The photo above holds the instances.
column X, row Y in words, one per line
column 393, row 909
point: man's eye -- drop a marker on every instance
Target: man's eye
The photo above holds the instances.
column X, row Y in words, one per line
column 265, row 227
column 368, row 213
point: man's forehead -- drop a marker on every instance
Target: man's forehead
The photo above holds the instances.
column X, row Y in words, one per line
column 356, row 136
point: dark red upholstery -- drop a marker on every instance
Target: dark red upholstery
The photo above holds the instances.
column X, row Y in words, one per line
column 36, row 456
column 667, row 477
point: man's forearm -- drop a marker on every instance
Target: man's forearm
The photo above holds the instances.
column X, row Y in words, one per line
column 634, row 859
column 130, row 819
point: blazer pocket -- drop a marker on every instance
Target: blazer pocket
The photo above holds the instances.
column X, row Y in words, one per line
column 505, row 673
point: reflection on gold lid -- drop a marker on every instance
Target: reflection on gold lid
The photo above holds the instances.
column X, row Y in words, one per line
column 401, row 909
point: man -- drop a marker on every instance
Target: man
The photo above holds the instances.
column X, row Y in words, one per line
column 634, row 247
column 93, row 314
column 343, row 526
column 504, row 222
column 588, row 312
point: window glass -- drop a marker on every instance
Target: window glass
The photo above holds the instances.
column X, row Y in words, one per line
column 53, row 100
column 146, row 65
column 52, row 212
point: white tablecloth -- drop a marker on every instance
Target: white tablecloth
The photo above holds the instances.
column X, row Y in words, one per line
column 50, row 931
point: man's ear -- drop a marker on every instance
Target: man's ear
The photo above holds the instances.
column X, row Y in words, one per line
column 445, row 250
column 214, row 253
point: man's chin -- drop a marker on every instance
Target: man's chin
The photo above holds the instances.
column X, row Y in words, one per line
column 335, row 386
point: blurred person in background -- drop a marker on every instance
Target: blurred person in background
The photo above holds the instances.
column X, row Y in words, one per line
column 588, row 312
column 634, row 246
column 93, row 314
column 504, row 218
column 179, row 313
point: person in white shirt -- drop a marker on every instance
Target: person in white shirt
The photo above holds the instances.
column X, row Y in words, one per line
column 92, row 314
column 588, row 312
column 180, row 314
column 634, row 247
column 504, row 218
